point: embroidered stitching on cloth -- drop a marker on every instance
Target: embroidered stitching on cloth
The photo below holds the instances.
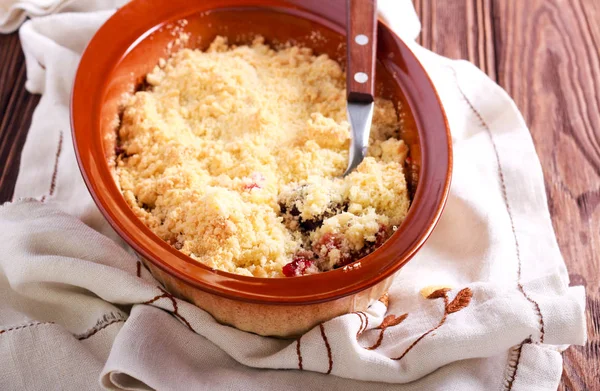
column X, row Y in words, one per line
column 107, row 320
column 24, row 326
column 173, row 300
column 462, row 300
column 388, row 321
column 299, row 353
column 514, row 358
column 104, row 322
column 505, row 197
column 328, row 348
column 176, row 309
column 55, row 171
column 155, row 298
column 512, row 374
column 362, row 323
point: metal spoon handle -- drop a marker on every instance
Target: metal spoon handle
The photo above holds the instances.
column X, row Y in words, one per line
column 362, row 46
column 360, row 116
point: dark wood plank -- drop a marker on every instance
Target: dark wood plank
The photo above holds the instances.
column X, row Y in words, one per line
column 545, row 54
column 548, row 61
column 460, row 29
column 16, row 109
column 10, row 65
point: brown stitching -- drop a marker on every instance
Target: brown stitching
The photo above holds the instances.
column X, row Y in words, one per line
column 379, row 340
column 504, row 195
column 155, row 298
column 392, row 320
column 361, row 324
column 462, row 299
column 512, row 367
column 24, row 326
column 138, row 271
column 94, row 331
column 442, row 321
column 175, row 312
column 103, row 323
column 55, row 171
column 388, row 321
column 167, row 294
column 140, row 266
column 328, row 348
column 180, row 317
column 299, row 354
column 431, row 289
column 366, row 322
column 438, row 293
column 176, row 309
column 537, row 308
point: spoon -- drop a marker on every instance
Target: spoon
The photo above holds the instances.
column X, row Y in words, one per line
column 360, row 75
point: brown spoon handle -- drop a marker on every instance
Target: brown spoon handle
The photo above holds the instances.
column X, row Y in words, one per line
column 362, row 48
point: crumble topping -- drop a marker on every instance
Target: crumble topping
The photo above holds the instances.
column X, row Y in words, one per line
column 234, row 156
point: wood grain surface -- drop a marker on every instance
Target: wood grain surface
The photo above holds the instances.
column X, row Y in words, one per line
column 16, row 109
column 545, row 53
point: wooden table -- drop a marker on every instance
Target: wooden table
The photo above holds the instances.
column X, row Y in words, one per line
column 545, row 53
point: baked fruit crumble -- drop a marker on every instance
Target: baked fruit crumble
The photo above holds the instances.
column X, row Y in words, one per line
column 234, row 156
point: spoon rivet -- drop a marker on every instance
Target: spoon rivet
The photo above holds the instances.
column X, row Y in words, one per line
column 361, row 77
column 361, row 39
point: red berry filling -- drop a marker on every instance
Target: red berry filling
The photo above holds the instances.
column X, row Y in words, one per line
column 251, row 186
column 333, row 241
column 256, row 181
column 298, row 266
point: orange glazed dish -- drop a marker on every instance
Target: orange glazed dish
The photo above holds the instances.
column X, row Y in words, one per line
column 229, row 156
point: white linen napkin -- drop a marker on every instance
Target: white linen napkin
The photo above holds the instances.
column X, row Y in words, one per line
column 14, row 12
column 484, row 305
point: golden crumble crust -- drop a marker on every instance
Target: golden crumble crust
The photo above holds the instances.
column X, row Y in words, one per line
column 234, row 156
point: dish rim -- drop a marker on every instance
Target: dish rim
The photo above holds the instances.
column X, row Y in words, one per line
column 433, row 186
